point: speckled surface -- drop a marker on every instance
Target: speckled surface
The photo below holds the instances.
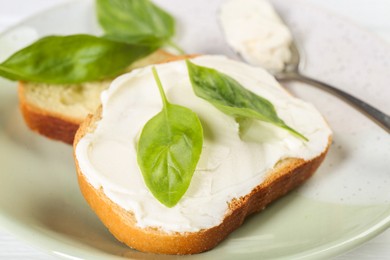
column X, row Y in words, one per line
column 344, row 205
column 344, row 55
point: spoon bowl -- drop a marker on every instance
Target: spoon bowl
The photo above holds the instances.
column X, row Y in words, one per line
column 268, row 38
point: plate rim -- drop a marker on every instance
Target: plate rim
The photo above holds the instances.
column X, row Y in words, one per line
column 40, row 240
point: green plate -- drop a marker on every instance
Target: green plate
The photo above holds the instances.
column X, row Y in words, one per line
column 345, row 204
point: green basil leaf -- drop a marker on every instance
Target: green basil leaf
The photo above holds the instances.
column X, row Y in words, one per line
column 232, row 98
column 169, row 149
column 71, row 59
column 148, row 40
column 134, row 19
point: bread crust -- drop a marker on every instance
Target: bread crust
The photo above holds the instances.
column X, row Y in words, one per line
column 61, row 127
column 286, row 175
column 45, row 122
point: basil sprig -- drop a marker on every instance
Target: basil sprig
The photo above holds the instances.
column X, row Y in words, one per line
column 232, row 98
column 133, row 30
column 168, row 150
column 136, row 21
column 71, row 59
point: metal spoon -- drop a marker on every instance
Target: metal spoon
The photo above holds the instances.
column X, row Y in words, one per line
column 291, row 72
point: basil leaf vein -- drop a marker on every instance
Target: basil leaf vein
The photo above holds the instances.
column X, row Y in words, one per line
column 71, row 59
column 168, row 150
column 229, row 96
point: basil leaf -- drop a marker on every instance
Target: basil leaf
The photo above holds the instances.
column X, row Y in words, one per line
column 169, row 149
column 134, row 19
column 148, row 40
column 232, row 98
column 71, row 59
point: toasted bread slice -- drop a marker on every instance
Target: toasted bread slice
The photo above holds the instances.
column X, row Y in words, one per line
column 286, row 175
column 56, row 111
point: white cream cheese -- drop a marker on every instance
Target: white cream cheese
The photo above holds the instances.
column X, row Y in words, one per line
column 231, row 165
column 256, row 32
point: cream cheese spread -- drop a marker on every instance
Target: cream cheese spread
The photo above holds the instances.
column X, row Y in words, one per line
column 256, row 32
column 233, row 160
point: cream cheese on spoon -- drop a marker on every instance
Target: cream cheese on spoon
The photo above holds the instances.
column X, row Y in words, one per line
column 254, row 30
column 232, row 163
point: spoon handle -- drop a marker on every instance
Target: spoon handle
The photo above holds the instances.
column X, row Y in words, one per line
column 371, row 112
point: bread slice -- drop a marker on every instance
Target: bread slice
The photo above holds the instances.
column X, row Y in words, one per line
column 56, row 111
column 284, row 177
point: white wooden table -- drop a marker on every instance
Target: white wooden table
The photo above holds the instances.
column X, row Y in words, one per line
column 373, row 15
